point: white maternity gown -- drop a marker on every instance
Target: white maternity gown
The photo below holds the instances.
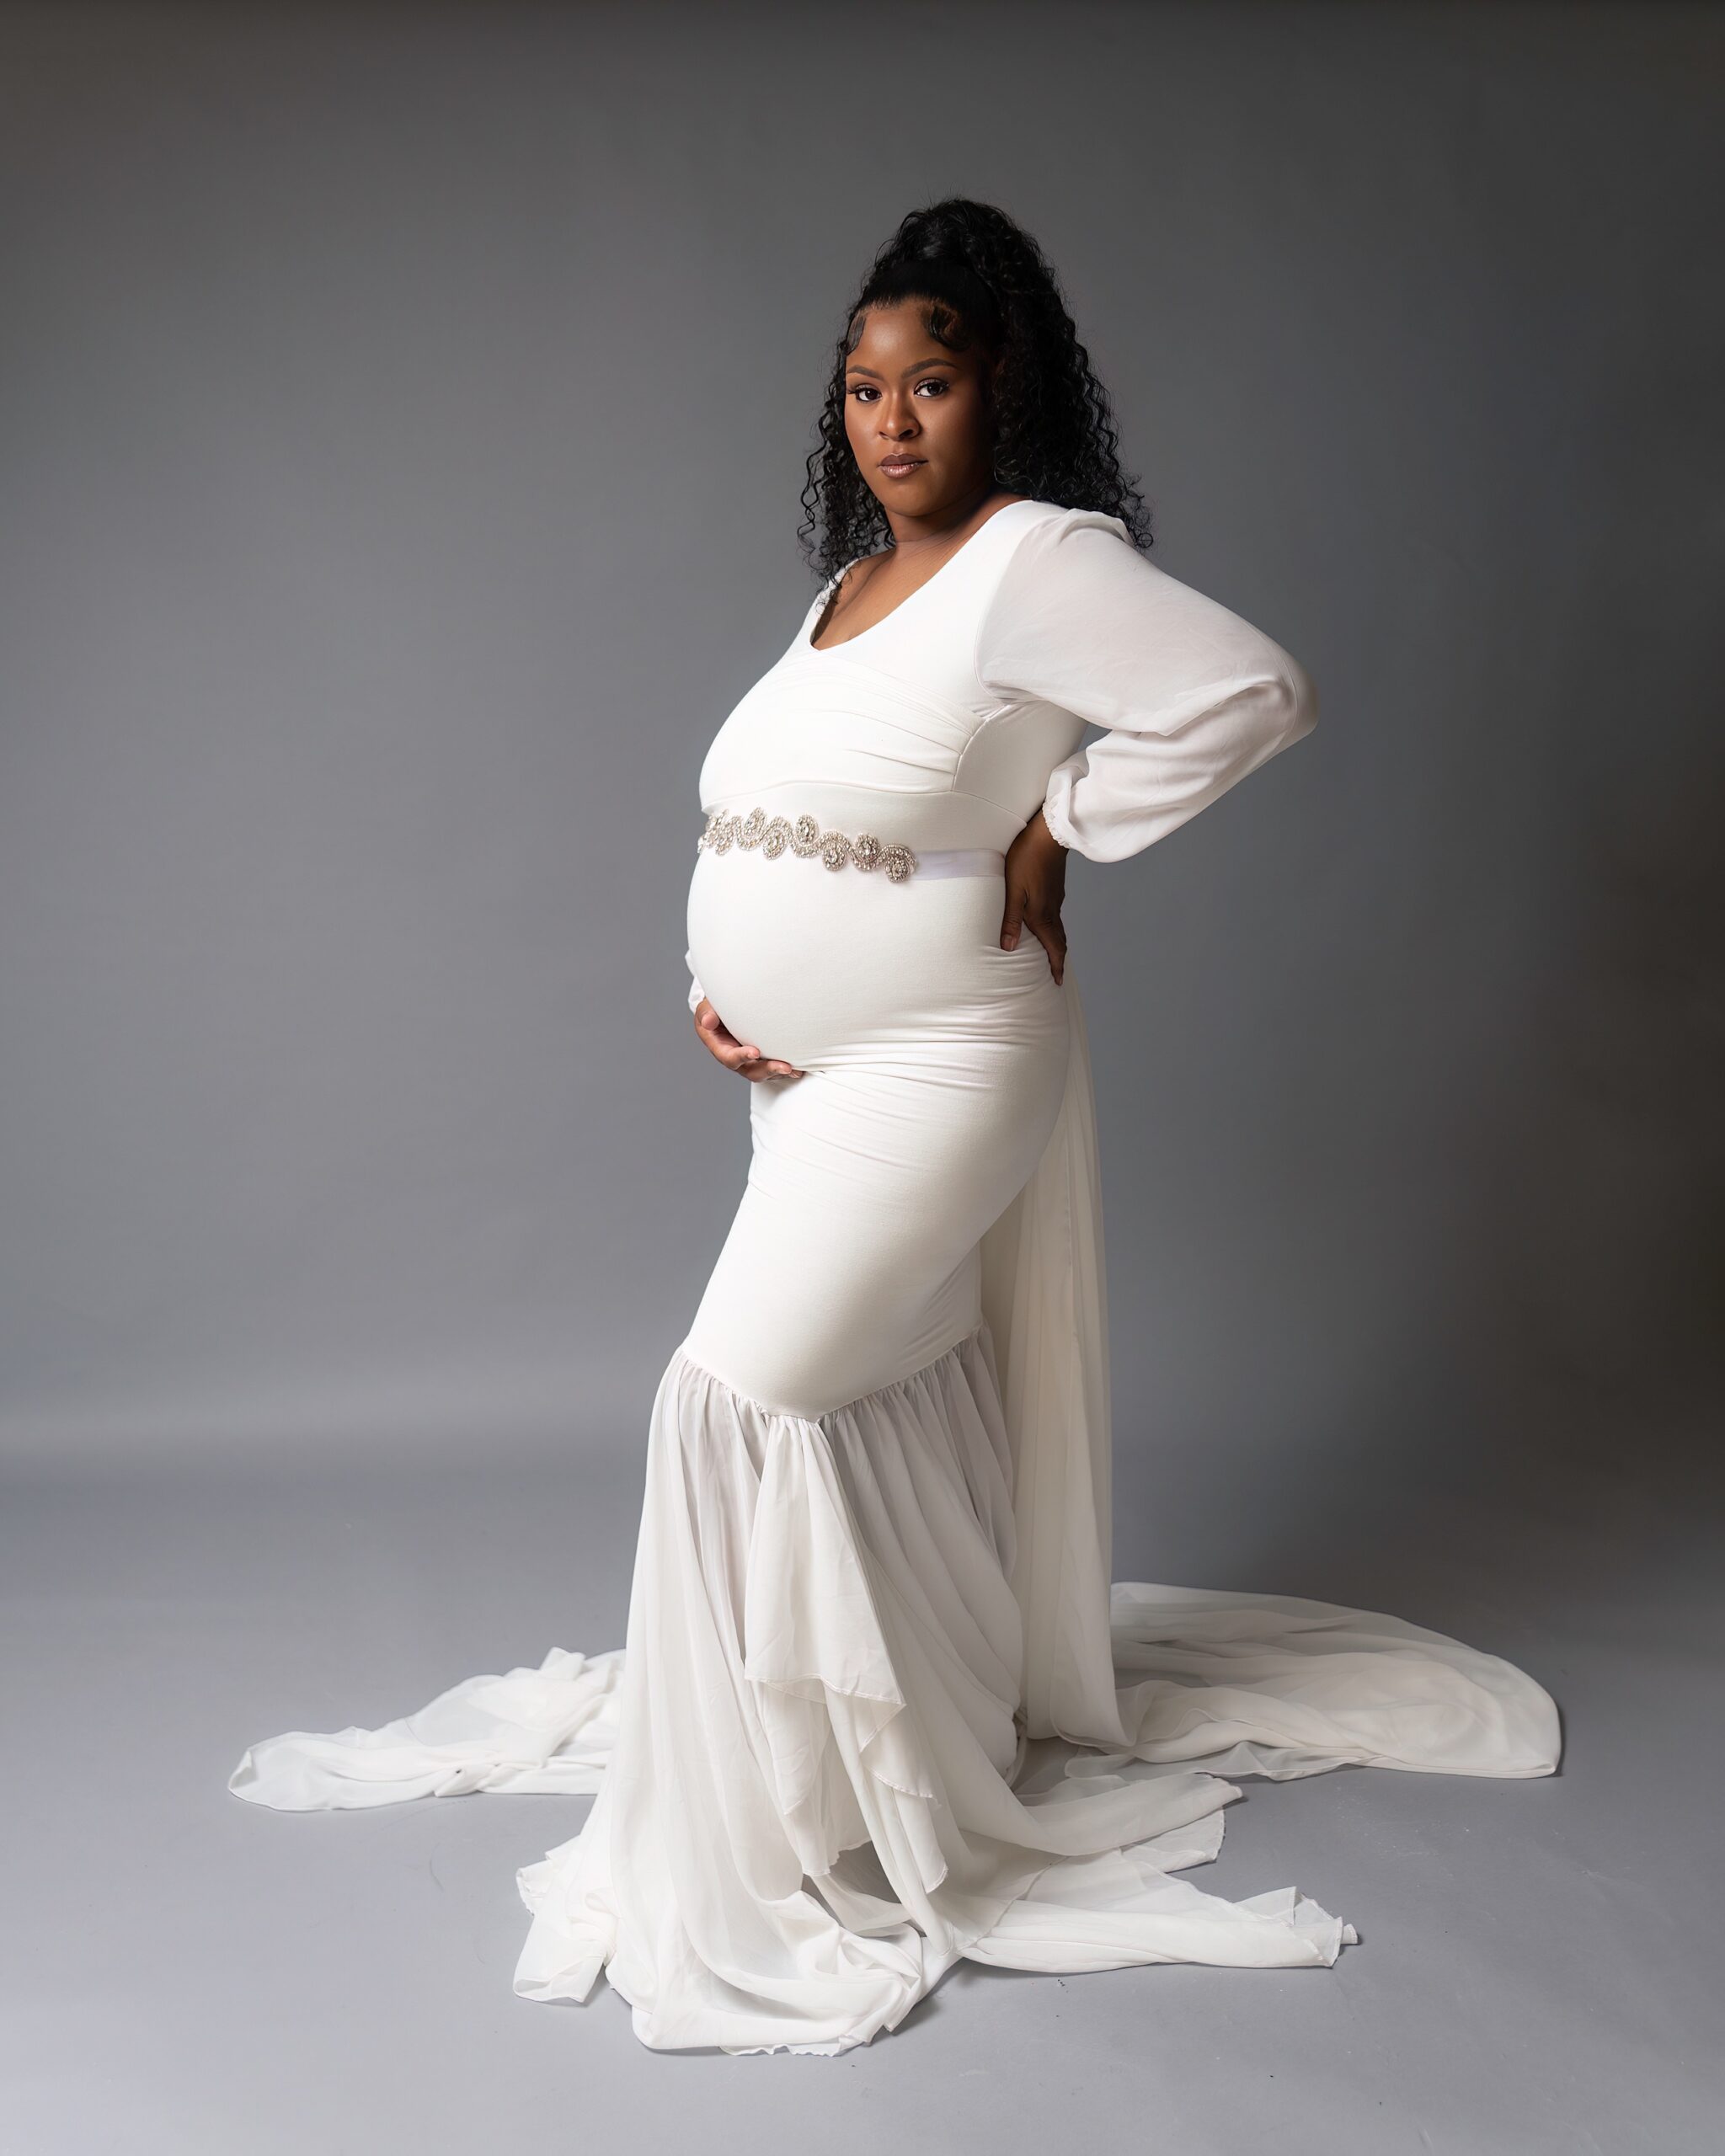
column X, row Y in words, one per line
column 873, row 1554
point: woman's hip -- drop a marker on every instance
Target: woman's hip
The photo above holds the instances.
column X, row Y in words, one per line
column 852, row 1260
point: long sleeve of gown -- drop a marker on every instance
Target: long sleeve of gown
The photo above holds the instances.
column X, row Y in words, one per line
column 1194, row 697
column 697, row 993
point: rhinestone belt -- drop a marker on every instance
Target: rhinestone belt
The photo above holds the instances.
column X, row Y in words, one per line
column 804, row 836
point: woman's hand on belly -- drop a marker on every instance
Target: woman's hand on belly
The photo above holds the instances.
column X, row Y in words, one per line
column 1036, row 890
column 724, row 1045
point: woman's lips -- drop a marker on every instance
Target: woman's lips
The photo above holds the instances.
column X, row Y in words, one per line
column 895, row 467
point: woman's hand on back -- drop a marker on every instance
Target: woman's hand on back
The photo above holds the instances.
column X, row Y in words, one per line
column 721, row 1043
column 1036, row 890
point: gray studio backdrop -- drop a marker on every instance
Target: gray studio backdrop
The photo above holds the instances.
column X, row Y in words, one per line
column 404, row 416
column 404, row 412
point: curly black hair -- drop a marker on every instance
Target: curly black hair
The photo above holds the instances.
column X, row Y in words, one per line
column 984, row 280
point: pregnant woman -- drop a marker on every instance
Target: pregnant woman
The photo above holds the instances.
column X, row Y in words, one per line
column 873, row 1570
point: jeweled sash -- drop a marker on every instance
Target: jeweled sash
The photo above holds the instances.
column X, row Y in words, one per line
column 803, row 836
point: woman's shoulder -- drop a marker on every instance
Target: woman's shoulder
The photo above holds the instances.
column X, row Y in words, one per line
column 1054, row 552
column 1057, row 518
column 1040, row 537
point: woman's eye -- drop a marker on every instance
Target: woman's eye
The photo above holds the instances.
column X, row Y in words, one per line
column 867, row 390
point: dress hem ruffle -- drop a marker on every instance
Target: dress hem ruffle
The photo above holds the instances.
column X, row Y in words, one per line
column 821, row 1800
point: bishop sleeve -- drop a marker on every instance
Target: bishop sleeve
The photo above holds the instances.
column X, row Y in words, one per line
column 697, row 993
column 1193, row 697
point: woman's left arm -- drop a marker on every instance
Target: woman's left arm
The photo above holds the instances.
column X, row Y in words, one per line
column 1194, row 697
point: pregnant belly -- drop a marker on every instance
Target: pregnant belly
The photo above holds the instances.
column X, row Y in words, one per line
column 936, row 1062
column 828, row 968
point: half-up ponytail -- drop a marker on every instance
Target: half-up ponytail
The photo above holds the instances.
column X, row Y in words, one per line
column 983, row 282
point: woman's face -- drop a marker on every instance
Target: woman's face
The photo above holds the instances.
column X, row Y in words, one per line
column 916, row 415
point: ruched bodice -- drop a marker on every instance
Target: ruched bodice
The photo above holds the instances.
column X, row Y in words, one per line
column 895, row 726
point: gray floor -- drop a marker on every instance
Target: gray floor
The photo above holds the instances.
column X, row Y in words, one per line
column 1538, row 1964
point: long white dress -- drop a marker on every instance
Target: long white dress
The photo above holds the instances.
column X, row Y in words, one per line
column 873, row 1554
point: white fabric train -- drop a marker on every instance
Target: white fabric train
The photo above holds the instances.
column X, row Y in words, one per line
column 873, row 1557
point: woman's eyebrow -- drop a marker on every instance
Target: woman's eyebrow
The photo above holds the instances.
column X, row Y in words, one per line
column 915, row 367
